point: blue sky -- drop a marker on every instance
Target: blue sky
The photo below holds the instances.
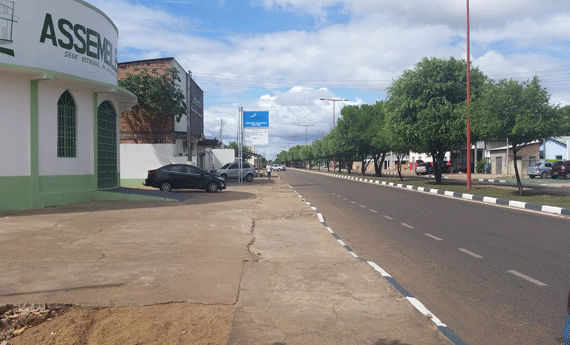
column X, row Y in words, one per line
column 284, row 55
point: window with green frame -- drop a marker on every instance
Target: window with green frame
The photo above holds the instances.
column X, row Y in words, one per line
column 66, row 126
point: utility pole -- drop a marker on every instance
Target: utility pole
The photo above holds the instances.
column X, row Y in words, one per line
column 221, row 129
column 334, row 120
column 306, row 136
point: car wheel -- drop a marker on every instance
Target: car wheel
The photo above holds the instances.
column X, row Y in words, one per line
column 212, row 187
column 532, row 176
column 249, row 177
column 166, row 186
column 543, row 174
column 224, row 177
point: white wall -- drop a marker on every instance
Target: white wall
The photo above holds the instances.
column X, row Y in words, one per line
column 223, row 156
column 138, row 159
column 14, row 125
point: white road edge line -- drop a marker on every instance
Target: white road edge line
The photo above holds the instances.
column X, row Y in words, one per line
column 471, row 253
column 527, row 278
column 434, row 237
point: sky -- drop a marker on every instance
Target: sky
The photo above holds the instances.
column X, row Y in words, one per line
column 283, row 56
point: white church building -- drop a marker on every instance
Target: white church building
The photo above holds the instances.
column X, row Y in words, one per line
column 59, row 103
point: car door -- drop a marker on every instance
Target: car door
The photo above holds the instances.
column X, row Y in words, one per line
column 233, row 171
column 197, row 177
column 178, row 175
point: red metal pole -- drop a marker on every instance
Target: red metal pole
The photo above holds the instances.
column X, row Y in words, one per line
column 468, row 98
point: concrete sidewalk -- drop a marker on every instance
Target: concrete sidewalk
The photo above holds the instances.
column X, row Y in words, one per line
column 268, row 255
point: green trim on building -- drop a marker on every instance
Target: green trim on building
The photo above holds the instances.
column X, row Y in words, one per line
column 99, row 11
column 15, row 193
column 50, row 75
column 59, row 190
column 34, row 183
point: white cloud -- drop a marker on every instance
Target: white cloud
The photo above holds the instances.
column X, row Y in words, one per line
column 291, row 70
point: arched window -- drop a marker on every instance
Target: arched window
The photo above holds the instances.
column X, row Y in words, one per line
column 66, row 126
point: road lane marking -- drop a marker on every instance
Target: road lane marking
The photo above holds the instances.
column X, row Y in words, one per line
column 353, row 202
column 434, row 237
column 362, row 206
column 388, row 217
column 471, row 253
column 407, row 226
column 374, row 211
column 527, row 278
column 345, row 199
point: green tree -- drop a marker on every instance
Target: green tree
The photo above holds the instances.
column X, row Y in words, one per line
column 246, row 149
column 425, row 107
column 519, row 112
column 159, row 102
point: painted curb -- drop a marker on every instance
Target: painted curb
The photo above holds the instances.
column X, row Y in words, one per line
column 442, row 328
column 485, row 199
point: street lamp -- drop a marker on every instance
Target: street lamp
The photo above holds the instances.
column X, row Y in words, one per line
column 334, row 121
column 334, row 100
column 468, row 99
column 306, row 137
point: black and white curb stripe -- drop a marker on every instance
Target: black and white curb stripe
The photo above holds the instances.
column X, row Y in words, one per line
column 448, row 333
column 491, row 180
column 485, row 199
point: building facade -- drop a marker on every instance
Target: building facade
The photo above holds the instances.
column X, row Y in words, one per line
column 185, row 135
column 60, row 103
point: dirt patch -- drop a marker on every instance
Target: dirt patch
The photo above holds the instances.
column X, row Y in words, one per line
column 174, row 323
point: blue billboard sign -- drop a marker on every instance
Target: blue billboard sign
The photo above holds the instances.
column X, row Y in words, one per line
column 256, row 119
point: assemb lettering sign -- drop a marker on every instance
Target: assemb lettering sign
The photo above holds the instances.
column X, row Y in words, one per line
column 86, row 42
column 70, row 37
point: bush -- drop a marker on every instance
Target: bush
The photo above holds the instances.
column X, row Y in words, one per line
column 481, row 165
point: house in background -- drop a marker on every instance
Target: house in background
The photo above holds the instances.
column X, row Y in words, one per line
column 555, row 148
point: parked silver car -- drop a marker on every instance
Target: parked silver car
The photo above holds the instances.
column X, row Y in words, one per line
column 539, row 169
column 231, row 171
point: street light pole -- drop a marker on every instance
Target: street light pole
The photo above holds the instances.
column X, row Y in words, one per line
column 334, row 120
column 306, row 136
column 468, row 99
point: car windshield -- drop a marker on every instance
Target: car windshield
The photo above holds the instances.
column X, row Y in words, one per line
column 226, row 166
column 535, row 165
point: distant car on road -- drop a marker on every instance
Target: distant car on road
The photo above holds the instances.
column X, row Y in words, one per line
column 539, row 169
column 175, row 176
column 278, row 167
column 231, row 171
column 560, row 169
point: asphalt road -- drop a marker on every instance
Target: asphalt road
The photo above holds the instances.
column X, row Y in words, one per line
column 493, row 274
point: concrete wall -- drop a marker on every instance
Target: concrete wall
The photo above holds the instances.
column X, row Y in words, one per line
column 14, row 125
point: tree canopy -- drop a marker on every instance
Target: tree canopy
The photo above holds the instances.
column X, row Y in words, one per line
column 159, row 102
column 426, row 105
column 517, row 111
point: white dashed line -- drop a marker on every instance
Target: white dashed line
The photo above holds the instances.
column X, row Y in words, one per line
column 345, row 199
column 527, row 278
column 471, row 253
column 362, row 206
column 407, row 225
column 353, row 202
column 434, row 237
column 374, row 211
column 388, row 217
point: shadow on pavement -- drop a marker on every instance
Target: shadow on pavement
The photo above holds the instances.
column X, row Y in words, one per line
column 178, row 198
